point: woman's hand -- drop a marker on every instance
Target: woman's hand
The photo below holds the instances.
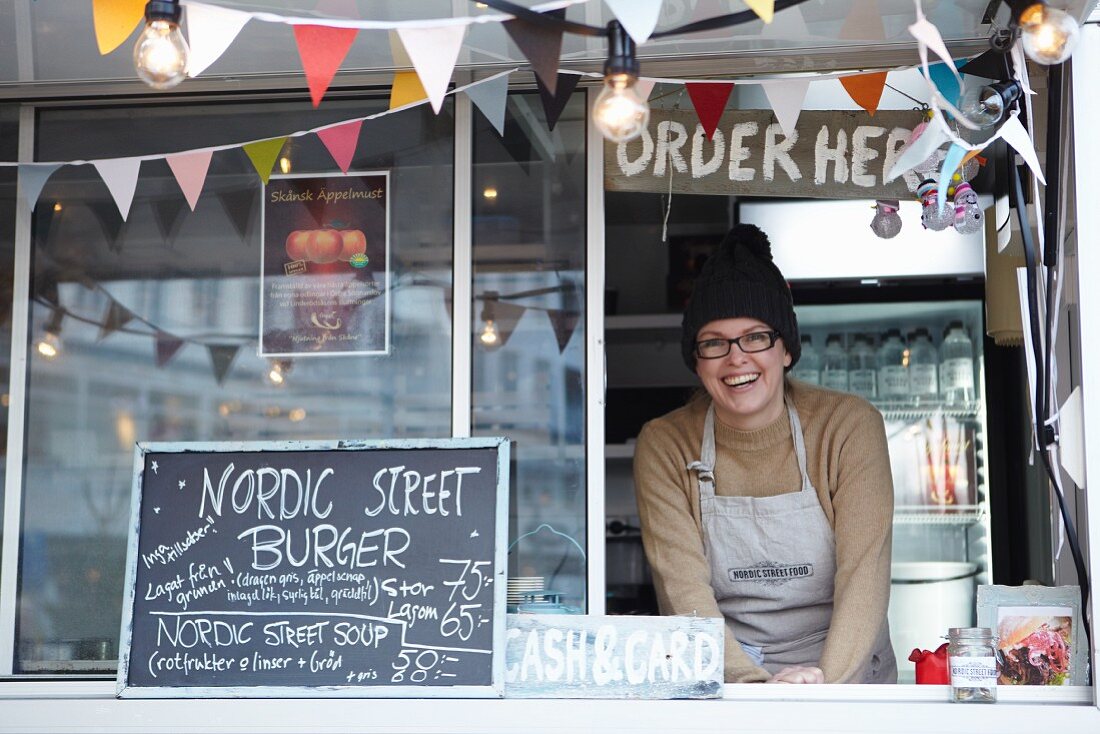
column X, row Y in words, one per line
column 798, row 674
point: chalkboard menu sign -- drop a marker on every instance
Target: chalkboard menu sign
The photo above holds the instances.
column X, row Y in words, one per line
column 316, row 569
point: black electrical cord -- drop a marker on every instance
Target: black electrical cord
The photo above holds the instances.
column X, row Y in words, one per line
column 1042, row 349
column 582, row 29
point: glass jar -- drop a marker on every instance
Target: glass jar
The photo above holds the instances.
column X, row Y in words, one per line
column 972, row 659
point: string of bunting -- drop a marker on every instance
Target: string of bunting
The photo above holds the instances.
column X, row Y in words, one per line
column 223, row 348
column 419, row 44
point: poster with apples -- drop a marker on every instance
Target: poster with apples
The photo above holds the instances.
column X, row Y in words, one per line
column 325, row 279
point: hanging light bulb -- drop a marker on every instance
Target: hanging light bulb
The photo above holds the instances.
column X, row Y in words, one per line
column 1049, row 35
column 886, row 222
column 987, row 104
column 161, row 53
column 489, row 336
column 49, row 346
column 277, row 372
column 969, row 217
column 932, row 216
column 620, row 113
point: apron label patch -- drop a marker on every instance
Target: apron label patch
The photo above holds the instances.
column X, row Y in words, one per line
column 770, row 573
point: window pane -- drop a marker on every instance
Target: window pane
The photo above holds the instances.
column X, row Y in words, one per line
column 9, row 151
column 528, row 343
column 126, row 292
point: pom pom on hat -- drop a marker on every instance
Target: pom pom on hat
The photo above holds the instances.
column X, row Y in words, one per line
column 741, row 281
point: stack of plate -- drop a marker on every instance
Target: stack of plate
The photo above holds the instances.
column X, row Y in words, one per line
column 520, row 588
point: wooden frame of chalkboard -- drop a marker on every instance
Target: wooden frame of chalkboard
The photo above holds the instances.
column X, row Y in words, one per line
column 299, row 569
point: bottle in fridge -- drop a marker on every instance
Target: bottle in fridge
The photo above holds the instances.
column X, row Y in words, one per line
column 923, row 367
column 957, row 365
column 834, row 366
column 893, row 376
column 808, row 368
column 862, row 373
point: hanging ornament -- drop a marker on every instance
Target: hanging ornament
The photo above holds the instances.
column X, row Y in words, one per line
column 887, row 222
column 968, row 215
column 932, row 163
column 932, row 217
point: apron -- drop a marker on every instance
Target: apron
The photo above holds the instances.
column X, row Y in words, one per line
column 772, row 563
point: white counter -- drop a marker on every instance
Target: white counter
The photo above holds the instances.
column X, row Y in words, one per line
column 91, row 707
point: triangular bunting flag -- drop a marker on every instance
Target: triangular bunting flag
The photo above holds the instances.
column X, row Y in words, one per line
column 263, row 154
column 32, row 179
column 644, row 87
column 540, row 45
column 341, row 141
column 322, row 49
column 120, row 175
column 507, row 316
column 221, row 359
column 1013, row 133
column 210, row 30
column 518, row 147
column 786, row 98
column 928, row 37
column 917, row 151
column 401, row 58
column 989, row 65
column 167, row 215
column 863, row 22
column 951, row 163
column 116, row 317
column 946, row 80
column 114, row 21
column 239, row 204
column 106, row 213
column 406, row 90
column 763, row 8
column 166, row 347
column 190, row 172
column 553, row 103
column 491, row 97
column 865, row 89
column 434, row 52
column 709, row 100
column 564, row 323
column 639, row 17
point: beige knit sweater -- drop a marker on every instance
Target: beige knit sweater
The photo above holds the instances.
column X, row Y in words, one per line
column 849, row 465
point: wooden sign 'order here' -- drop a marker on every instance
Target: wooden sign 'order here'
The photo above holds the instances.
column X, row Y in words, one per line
column 830, row 155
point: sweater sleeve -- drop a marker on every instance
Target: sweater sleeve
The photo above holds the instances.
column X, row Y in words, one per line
column 673, row 543
column 863, row 506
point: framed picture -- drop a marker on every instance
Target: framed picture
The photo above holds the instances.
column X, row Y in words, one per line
column 1038, row 633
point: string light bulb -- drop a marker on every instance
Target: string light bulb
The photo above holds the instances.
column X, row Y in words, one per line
column 620, row 113
column 489, row 335
column 987, row 104
column 277, row 372
column 49, row 346
column 161, row 55
column 1048, row 34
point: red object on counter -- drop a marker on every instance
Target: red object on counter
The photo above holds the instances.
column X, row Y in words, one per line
column 931, row 666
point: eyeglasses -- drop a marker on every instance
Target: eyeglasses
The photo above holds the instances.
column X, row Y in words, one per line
column 757, row 341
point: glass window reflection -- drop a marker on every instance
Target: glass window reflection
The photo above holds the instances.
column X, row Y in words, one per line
column 528, row 339
column 156, row 322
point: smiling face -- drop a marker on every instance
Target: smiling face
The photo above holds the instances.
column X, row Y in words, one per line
column 747, row 389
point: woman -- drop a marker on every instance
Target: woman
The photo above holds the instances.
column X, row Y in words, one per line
column 768, row 502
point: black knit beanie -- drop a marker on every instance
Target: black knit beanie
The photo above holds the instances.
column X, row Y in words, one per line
column 740, row 280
